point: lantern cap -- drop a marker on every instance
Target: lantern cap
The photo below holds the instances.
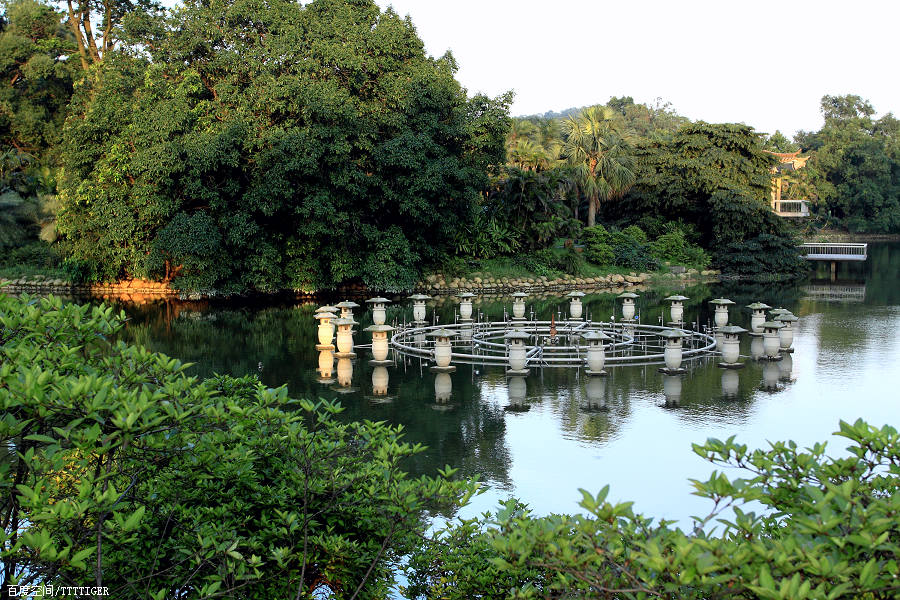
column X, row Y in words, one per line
column 758, row 306
column 326, row 308
column 347, row 304
column 378, row 328
column 772, row 325
column 325, row 315
column 519, row 295
column 378, row 300
column 673, row 334
column 731, row 330
column 677, row 298
column 778, row 311
column 592, row 336
column 442, row 333
column 787, row 317
column 466, row 295
column 419, row 297
column 721, row 301
column 628, row 295
column 575, row 294
column 517, row 334
column 342, row 321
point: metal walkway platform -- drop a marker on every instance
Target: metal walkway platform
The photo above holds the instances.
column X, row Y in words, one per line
column 814, row 251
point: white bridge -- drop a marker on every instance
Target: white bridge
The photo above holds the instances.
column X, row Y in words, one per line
column 833, row 252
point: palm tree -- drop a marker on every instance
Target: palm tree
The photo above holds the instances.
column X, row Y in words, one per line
column 595, row 145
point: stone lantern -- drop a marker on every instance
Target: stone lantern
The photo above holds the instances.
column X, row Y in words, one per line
column 627, row 305
column 777, row 312
column 757, row 351
column 758, row 318
column 345, row 338
column 379, row 381
column 379, row 344
column 673, row 350
column 731, row 346
column 720, row 318
column 326, row 366
column 771, row 343
column 378, row 312
column 677, row 308
column 595, row 354
column 326, row 327
column 576, row 309
column 517, row 339
column 595, row 389
column 786, row 333
column 347, row 308
column 730, row 383
column 419, row 307
column 443, row 387
column 518, row 307
column 672, row 389
column 442, row 351
column 465, row 306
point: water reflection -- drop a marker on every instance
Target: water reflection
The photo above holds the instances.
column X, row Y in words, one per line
column 672, row 390
column 518, row 390
column 326, row 366
column 595, row 393
column 730, row 383
column 344, row 376
column 770, row 375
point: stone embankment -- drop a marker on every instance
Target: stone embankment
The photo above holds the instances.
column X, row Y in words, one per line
column 135, row 290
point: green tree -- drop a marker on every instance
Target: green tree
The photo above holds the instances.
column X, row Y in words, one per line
column 778, row 142
column 319, row 139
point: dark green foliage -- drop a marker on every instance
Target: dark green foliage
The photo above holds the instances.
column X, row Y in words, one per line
column 321, row 141
column 121, row 470
column 828, row 531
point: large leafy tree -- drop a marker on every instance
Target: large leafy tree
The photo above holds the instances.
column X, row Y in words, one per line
column 855, row 166
column 595, row 144
column 320, row 141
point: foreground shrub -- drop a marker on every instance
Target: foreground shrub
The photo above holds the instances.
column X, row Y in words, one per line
column 121, row 471
column 829, row 530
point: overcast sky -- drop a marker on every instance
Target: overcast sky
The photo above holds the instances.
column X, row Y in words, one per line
column 763, row 63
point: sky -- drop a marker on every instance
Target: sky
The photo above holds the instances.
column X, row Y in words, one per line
column 759, row 62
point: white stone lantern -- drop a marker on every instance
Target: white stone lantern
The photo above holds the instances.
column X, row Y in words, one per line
column 596, row 357
column 786, row 333
column 777, row 312
column 731, row 346
column 419, row 307
column 345, row 338
column 672, row 389
column 730, row 383
column 771, row 343
column 677, row 308
column 516, row 340
column 465, row 306
column 443, row 350
column 326, row 366
column 596, row 392
column 720, row 317
column 673, row 351
column 443, row 387
column 576, row 309
column 326, row 327
column 627, row 305
column 518, row 307
column 758, row 317
column 378, row 311
column 379, row 343
column 380, row 381
column 518, row 391
column 347, row 308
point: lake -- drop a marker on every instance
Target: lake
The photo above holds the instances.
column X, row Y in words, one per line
column 566, row 431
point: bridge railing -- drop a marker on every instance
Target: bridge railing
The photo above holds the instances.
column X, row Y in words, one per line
column 791, row 208
column 823, row 251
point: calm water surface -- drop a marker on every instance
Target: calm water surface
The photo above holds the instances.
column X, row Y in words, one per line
column 628, row 430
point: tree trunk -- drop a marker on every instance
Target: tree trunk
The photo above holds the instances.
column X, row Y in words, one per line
column 592, row 210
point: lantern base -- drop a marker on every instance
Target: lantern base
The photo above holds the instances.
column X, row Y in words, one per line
column 600, row 373
column 518, row 371
column 678, row 324
column 421, row 323
column 381, row 363
column 466, row 320
column 518, row 318
column 344, row 390
column 326, row 380
column 668, row 371
column 724, row 365
column 324, row 346
column 447, row 369
column 790, row 350
column 775, row 358
column 345, row 354
column 373, row 399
